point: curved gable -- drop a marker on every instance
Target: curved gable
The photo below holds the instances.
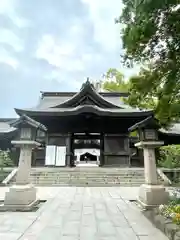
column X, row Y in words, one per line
column 87, row 96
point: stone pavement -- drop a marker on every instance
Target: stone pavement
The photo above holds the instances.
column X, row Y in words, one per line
column 75, row 213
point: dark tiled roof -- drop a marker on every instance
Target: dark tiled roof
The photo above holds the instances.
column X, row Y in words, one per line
column 81, row 108
column 5, row 125
column 30, row 121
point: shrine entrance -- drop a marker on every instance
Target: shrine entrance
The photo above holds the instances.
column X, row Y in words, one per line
column 87, row 149
column 88, row 157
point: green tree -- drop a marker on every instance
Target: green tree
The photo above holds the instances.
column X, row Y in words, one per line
column 114, row 81
column 5, row 160
column 151, row 35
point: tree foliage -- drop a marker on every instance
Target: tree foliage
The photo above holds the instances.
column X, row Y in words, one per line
column 151, row 36
column 114, row 81
column 169, row 156
column 5, row 160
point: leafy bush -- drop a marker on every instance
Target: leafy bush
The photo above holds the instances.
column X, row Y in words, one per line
column 174, row 198
column 172, row 209
column 169, row 156
column 5, row 160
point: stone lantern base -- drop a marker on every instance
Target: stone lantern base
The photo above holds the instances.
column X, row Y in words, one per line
column 152, row 195
column 20, row 197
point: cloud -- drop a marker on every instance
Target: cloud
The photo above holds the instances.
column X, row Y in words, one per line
column 8, row 37
column 103, row 14
column 7, row 59
column 59, row 54
column 54, row 46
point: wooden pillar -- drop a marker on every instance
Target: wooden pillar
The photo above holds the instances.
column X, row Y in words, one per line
column 101, row 160
column 69, row 150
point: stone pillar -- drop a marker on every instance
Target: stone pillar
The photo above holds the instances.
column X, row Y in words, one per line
column 22, row 195
column 150, row 166
column 24, row 167
column 151, row 194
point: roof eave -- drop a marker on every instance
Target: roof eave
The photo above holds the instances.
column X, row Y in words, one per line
column 28, row 120
column 150, row 120
column 87, row 88
column 84, row 110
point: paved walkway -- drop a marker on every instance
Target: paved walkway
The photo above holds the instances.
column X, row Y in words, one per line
column 80, row 214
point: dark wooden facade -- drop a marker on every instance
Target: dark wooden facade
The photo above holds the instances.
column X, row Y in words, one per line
column 88, row 119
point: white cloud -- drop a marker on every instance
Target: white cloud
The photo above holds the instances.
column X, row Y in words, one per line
column 59, row 54
column 54, row 46
column 7, row 59
column 7, row 36
column 7, row 7
column 48, row 44
column 103, row 14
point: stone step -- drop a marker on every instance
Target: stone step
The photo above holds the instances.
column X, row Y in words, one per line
column 89, row 180
column 86, row 177
column 96, row 172
column 91, row 173
column 59, row 172
column 85, row 181
column 89, row 184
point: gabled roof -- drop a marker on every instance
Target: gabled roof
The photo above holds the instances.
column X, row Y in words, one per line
column 173, row 130
column 5, row 127
column 149, row 122
column 29, row 121
column 85, row 109
column 89, row 95
column 88, row 99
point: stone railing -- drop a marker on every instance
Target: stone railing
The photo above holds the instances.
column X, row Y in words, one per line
column 10, row 177
column 166, row 181
column 172, row 173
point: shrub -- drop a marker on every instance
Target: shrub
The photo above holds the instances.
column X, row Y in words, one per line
column 169, row 156
column 172, row 209
column 5, row 160
column 174, row 199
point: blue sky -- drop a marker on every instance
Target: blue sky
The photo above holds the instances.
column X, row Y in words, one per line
column 54, row 45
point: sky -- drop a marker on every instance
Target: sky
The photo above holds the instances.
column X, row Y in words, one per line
column 54, row 45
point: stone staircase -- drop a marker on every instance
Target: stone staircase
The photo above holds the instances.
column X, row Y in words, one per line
column 86, row 176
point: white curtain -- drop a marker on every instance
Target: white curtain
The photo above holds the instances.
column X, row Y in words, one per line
column 61, row 156
column 50, row 155
column 82, row 151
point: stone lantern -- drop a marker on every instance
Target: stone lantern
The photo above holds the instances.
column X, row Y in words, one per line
column 151, row 194
column 22, row 196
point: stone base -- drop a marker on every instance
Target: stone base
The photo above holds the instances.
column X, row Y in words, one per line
column 151, row 196
column 20, row 197
column 20, row 208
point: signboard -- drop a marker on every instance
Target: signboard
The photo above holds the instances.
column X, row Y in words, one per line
column 60, row 156
column 50, row 155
